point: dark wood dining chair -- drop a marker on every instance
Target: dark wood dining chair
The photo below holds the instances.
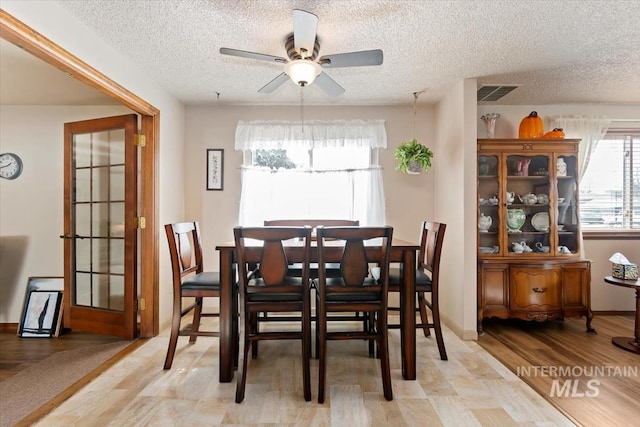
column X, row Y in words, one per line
column 353, row 291
column 427, row 281
column 270, row 289
column 333, row 269
column 189, row 280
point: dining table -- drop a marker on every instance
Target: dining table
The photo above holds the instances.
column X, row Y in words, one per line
column 403, row 253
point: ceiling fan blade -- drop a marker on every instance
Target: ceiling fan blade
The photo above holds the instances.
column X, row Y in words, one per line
column 274, row 84
column 328, row 85
column 252, row 55
column 305, row 25
column 352, row 59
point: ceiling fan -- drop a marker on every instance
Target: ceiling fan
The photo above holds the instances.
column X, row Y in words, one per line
column 302, row 67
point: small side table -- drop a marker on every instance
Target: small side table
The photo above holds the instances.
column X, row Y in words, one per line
column 630, row 344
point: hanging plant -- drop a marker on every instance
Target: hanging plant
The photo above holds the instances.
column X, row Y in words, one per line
column 412, row 156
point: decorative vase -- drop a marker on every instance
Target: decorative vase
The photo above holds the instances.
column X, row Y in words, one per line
column 515, row 220
column 522, row 167
column 489, row 120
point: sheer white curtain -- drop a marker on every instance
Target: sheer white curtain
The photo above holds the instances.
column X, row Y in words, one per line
column 589, row 129
column 300, row 193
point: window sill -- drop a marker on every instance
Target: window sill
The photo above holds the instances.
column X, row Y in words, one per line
column 609, row 234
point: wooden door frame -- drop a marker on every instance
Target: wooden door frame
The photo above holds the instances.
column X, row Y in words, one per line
column 20, row 34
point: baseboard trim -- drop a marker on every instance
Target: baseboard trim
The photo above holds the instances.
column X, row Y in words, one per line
column 614, row 313
column 8, row 327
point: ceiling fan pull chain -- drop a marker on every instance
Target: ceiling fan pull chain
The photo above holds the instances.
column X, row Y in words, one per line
column 302, row 107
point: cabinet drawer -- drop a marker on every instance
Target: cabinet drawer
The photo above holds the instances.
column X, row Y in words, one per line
column 535, row 289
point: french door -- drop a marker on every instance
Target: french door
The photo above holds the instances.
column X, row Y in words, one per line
column 100, row 226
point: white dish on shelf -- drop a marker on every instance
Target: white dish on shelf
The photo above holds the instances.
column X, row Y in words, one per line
column 540, row 221
column 488, row 249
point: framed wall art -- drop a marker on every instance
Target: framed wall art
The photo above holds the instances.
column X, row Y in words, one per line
column 215, row 167
column 41, row 314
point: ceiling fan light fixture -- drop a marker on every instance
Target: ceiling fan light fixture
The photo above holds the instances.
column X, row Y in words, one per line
column 302, row 71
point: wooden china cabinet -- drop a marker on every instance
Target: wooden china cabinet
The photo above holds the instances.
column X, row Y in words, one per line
column 530, row 256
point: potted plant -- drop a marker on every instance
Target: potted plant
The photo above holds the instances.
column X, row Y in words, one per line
column 413, row 157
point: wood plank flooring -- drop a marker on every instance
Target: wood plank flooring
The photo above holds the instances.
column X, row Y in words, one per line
column 595, row 393
column 18, row 354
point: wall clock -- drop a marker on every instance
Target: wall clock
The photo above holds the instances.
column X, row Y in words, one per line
column 10, row 166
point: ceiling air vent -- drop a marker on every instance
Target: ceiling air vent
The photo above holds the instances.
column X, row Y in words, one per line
column 494, row 92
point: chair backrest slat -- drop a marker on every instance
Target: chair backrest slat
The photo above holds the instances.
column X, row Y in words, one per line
column 431, row 239
column 355, row 257
column 185, row 250
column 273, row 264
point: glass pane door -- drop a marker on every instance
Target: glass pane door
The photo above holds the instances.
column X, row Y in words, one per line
column 99, row 219
column 567, row 215
column 100, row 232
column 488, row 205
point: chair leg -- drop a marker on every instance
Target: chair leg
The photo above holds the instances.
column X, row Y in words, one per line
column 369, row 325
column 317, row 333
column 242, row 367
column 173, row 338
column 322, row 355
column 435, row 310
column 422, row 305
column 195, row 325
column 383, row 350
column 253, row 325
column 306, row 354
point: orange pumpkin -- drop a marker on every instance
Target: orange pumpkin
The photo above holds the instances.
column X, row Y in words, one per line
column 531, row 127
column 556, row 133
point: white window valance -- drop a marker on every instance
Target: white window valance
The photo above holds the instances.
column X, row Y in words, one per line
column 269, row 135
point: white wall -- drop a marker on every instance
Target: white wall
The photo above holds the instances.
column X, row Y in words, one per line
column 604, row 297
column 55, row 23
column 31, row 208
column 409, row 198
column 455, row 206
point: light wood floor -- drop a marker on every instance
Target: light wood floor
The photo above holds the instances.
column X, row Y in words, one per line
column 470, row 389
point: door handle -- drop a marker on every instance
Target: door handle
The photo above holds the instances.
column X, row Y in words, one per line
column 540, row 290
column 69, row 236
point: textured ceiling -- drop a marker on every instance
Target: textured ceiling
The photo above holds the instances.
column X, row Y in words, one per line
column 559, row 51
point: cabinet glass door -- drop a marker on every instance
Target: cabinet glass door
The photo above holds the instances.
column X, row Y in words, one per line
column 567, row 213
column 527, row 197
column 488, row 205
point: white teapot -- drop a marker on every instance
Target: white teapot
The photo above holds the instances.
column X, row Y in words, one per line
column 484, row 223
column 517, row 247
column 530, row 199
column 543, row 199
column 520, row 247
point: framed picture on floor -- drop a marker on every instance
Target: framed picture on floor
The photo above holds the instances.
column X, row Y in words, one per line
column 215, row 164
column 41, row 314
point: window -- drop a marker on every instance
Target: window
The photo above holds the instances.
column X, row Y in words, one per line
column 329, row 170
column 610, row 188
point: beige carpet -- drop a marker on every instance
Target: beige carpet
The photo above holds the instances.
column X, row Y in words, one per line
column 30, row 389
